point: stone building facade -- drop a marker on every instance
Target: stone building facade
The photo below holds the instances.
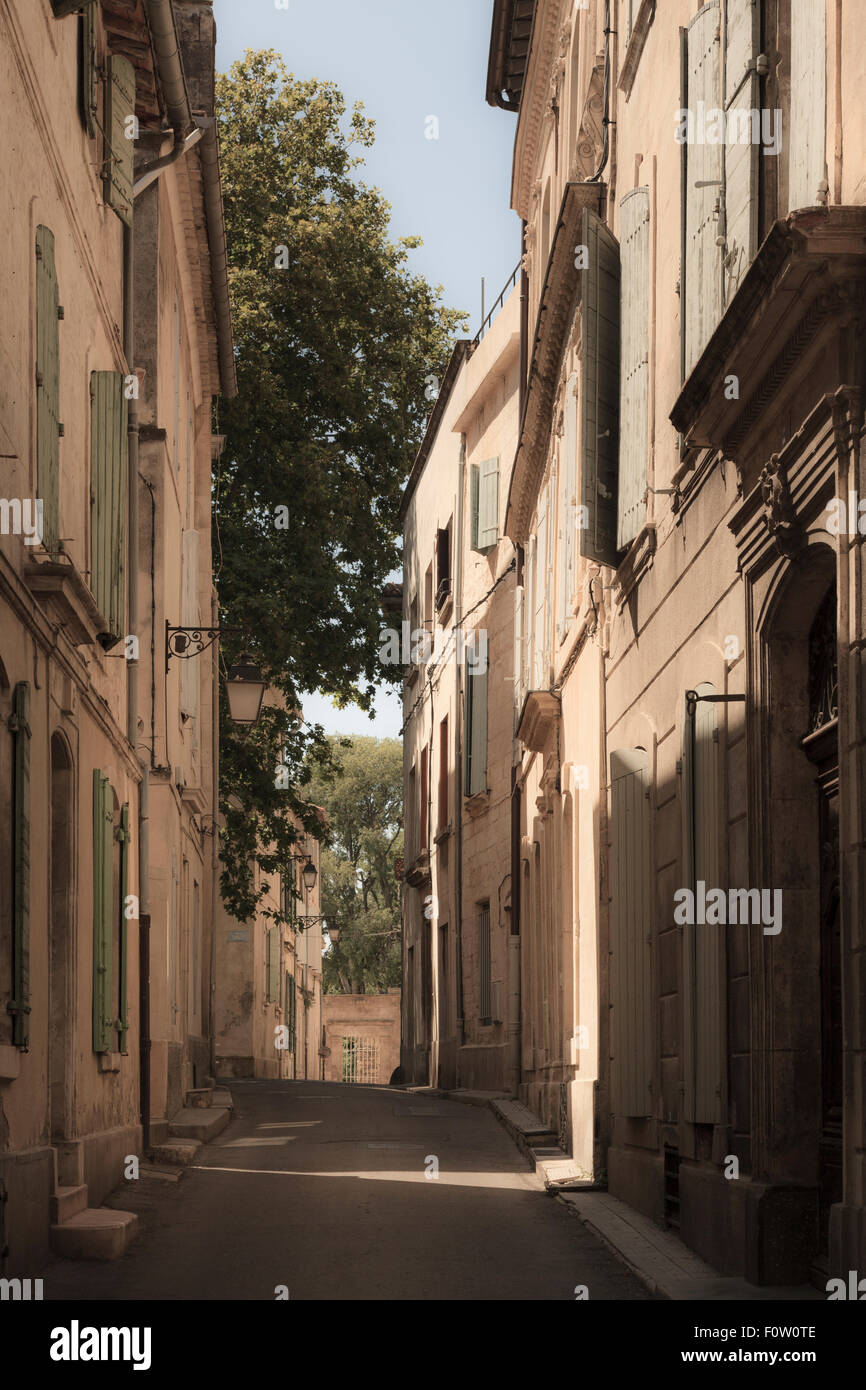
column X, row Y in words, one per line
column 688, row 878
column 115, row 338
column 460, row 965
column 361, row 1037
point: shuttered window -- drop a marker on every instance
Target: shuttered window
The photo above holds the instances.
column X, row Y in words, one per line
column 484, row 486
column 567, row 509
column 542, row 586
column 48, row 388
column 422, row 807
column 600, row 336
column 634, row 377
column 104, row 905
column 475, row 731
column 519, row 643
column 703, row 943
column 704, row 188
column 19, row 1004
column 108, row 465
column 443, row 566
column 808, row 134
column 123, row 959
column 89, row 70
column 742, row 97
column 485, row 1008
column 290, row 1010
column 119, row 142
column 631, row 960
column 189, row 670
column 272, row 965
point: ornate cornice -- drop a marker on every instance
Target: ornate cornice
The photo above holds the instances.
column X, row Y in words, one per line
column 590, row 133
column 535, row 104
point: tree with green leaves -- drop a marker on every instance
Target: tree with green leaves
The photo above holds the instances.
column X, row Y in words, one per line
column 336, row 342
column 360, row 892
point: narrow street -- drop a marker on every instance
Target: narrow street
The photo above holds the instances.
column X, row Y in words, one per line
column 322, row 1188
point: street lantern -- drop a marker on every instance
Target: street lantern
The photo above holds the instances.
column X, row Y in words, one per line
column 334, row 934
column 309, row 875
column 245, row 689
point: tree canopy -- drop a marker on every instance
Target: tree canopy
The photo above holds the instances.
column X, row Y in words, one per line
column 335, row 340
column 359, row 888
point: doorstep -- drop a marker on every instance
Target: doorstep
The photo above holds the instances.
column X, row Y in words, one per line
column 661, row 1260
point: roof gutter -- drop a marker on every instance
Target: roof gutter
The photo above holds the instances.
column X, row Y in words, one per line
column 499, row 35
column 160, row 15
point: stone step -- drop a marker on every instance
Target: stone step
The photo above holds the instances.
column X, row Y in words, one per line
column 175, row 1151
column 204, row 1125
column 199, row 1099
column 67, row 1202
column 96, row 1233
column 223, row 1098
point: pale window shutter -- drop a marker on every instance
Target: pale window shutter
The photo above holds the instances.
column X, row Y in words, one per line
column 189, row 670
column 742, row 95
column 704, row 167
column 274, row 983
column 808, row 134
column 103, row 892
column 634, row 379
column 484, row 1002
column 89, row 70
column 268, row 949
column 519, row 621
column 475, row 732
column 474, row 505
column 703, row 943
column 529, row 616
column 47, row 388
column 547, row 640
column 631, row 927
column 600, row 390
column 488, row 509
column 108, row 447
column 120, row 146
column 568, row 506
column 19, row 1005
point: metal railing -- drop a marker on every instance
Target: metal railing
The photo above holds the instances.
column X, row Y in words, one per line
column 512, row 280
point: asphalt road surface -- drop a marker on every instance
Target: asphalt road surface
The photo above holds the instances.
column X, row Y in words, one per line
column 324, row 1189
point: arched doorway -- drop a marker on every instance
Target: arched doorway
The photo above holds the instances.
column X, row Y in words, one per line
column 61, row 941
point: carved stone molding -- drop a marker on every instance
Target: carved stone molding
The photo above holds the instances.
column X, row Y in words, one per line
column 780, row 514
column 590, row 132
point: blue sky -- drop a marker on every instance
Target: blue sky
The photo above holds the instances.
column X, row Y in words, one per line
column 407, row 60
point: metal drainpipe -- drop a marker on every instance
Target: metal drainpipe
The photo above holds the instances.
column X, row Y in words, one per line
column 458, row 724
column 215, row 811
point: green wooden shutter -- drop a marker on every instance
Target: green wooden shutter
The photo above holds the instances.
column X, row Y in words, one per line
column 267, row 965
column 123, row 963
column 120, row 148
column 634, row 380
column 48, row 388
column 274, row 985
column 742, row 95
column 19, row 1005
column 488, row 505
column 474, row 504
column 540, row 654
column 108, row 487
column 705, row 166
column 290, row 1009
column 475, row 732
column 103, row 914
column 703, row 943
column 89, row 70
column 600, row 393
column 631, row 928
column 807, row 137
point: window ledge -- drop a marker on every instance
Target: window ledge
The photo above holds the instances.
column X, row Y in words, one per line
column 635, row 46
column 442, row 834
column 478, row 803
column 443, row 611
column 109, row 1061
column 411, row 675
column 57, row 586
column 638, row 560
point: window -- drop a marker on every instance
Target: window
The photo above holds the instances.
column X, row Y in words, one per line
column 703, row 945
column 567, row 509
column 411, row 810
column 703, row 195
column 631, row 978
column 110, row 887
column 88, row 68
column 422, row 805
column 108, row 489
column 484, row 1006
column 600, row 336
column 475, row 730
column 443, row 566
column 428, row 599
column 634, row 370
column 18, row 999
column 484, row 504
column 272, row 965
column 443, row 774
column 291, row 1010
column 48, row 427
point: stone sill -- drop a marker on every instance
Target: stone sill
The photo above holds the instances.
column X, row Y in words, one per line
column 10, row 1062
column 109, row 1061
column 635, row 47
